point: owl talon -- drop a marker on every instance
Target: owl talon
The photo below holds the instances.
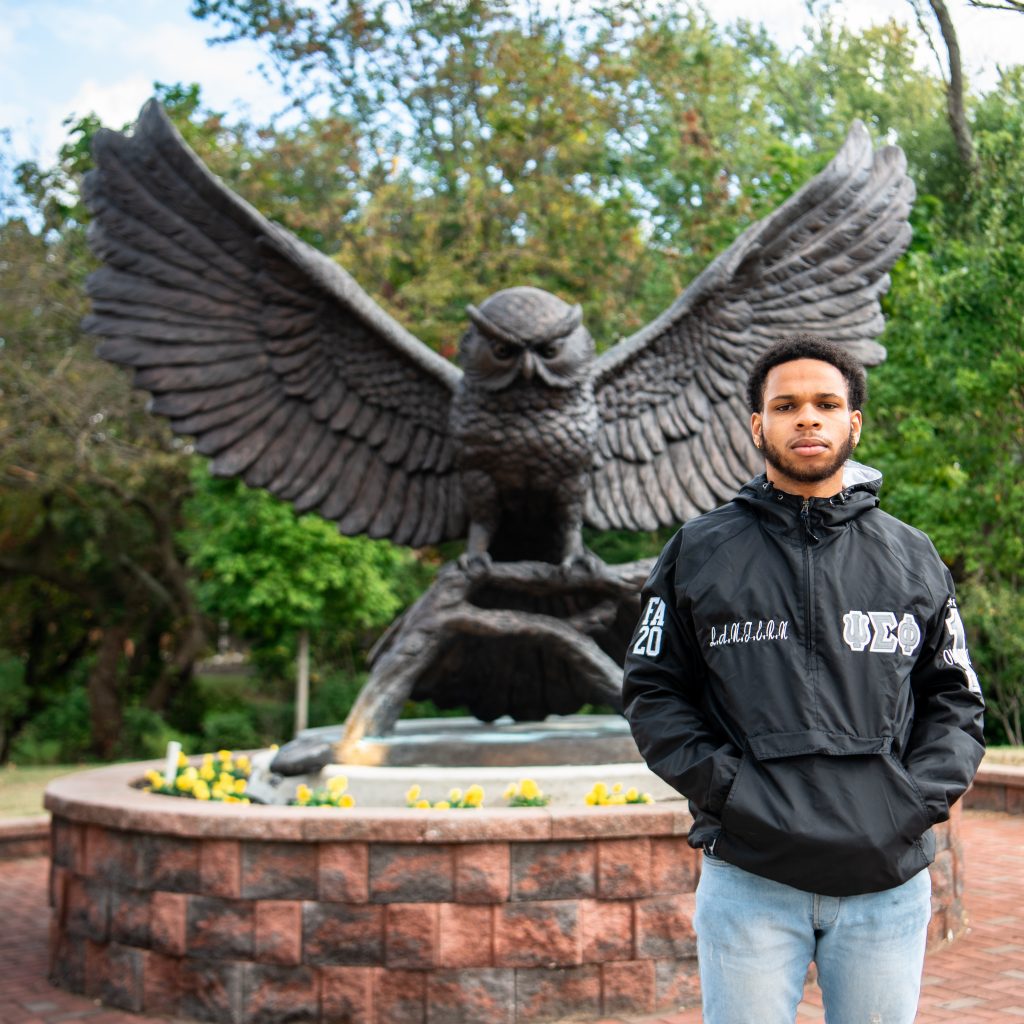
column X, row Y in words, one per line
column 477, row 563
column 584, row 560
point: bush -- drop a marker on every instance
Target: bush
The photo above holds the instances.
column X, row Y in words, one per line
column 58, row 735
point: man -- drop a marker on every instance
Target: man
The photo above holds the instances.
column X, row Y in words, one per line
column 800, row 673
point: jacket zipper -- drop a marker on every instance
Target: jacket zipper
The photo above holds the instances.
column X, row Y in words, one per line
column 805, row 519
column 809, row 537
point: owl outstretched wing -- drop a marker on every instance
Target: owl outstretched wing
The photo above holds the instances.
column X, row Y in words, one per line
column 674, row 439
column 283, row 369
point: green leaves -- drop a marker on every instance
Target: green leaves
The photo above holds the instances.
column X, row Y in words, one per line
column 272, row 573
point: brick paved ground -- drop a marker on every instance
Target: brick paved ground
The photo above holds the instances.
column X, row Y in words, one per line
column 977, row 980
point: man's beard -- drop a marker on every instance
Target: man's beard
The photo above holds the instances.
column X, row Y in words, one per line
column 780, row 460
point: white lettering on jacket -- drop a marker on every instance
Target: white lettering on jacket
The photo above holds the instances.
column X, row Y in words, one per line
column 881, row 631
column 957, row 653
column 749, row 631
column 651, row 629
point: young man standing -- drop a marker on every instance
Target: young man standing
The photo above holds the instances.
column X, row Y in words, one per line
column 800, row 673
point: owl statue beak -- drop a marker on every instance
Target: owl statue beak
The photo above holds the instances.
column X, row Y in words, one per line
column 527, row 367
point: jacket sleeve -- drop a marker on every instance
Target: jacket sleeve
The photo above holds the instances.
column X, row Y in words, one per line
column 946, row 743
column 664, row 699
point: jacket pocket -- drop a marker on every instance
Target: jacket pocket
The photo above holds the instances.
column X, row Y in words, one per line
column 818, row 804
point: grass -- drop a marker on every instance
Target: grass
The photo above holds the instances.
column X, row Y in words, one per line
column 21, row 788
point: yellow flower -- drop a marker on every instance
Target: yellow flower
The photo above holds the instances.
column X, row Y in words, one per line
column 600, row 792
column 226, row 779
column 182, row 759
column 348, row 800
column 529, row 789
column 184, row 783
column 454, row 795
column 206, row 772
column 412, row 794
column 243, row 763
column 216, row 792
column 200, row 790
column 154, row 778
column 617, row 800
column 442, row 805
column 190, row 773
column 303, row 794
column 224, row 755
column 474, row 796
column 207, row 759
column 511, row 790
column 632, row 794
column 590, row 799
column 275, row 747
column 422, row 804
column 647, row 798
column 617, row 788
column 239, row 786
column 337, row 784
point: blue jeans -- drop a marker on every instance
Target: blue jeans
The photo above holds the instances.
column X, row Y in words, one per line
column 756, row 939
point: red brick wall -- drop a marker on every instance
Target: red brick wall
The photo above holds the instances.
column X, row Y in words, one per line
column 274, row 914
column 238, row 929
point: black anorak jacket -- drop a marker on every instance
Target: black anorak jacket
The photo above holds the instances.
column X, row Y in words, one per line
column 800, row 673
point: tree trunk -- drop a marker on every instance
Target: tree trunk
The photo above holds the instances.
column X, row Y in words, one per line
column 105, row 716
column 955, row 87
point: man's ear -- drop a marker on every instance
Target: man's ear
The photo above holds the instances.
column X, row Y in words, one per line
column 857, row 422
column 755, row 429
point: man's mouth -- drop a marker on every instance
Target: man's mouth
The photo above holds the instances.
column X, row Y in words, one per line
column 809, row 446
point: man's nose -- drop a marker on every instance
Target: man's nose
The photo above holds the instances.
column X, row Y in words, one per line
column 808, row 417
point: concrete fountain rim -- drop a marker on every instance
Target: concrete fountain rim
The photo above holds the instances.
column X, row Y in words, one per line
column 111, row 797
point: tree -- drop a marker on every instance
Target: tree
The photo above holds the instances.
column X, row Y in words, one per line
column 274, row 576
column 92, row 488
column 450, row 149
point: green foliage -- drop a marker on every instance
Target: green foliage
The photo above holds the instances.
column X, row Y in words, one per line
column 271, row 573
column 234, row 728
column 57, row 735
column 13, row 692
column 446, row 150
column 946, row 418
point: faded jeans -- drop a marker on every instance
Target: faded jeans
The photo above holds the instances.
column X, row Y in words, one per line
column 756, row 939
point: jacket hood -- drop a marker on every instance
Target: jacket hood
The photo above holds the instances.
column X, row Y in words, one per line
column 859, row 494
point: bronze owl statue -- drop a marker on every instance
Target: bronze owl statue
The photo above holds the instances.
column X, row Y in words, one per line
column 289, row 375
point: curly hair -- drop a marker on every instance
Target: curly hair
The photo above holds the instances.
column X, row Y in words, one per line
column 807, row 346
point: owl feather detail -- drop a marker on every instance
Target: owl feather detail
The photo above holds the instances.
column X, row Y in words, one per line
column 290, row 376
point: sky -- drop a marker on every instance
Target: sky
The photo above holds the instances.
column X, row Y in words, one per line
column 60, row 58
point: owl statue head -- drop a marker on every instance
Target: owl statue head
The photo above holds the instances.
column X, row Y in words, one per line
column 525, row 334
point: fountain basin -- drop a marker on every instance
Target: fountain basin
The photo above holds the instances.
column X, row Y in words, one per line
column 380, row 914
column 276, row 913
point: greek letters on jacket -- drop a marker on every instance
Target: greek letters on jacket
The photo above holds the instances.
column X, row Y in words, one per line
column 807, row 685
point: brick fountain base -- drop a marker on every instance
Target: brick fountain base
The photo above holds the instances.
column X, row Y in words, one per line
column 279, row 914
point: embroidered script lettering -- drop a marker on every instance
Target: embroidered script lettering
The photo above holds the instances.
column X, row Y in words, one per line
column 749, row 631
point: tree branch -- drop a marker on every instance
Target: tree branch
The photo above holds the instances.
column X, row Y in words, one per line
column 1014, row 6
column 955, row 88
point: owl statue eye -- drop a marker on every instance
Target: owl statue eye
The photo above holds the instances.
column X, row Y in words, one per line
column 549, row 350
column 502, row 350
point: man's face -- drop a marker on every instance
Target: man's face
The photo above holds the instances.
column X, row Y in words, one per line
column 806, row 428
